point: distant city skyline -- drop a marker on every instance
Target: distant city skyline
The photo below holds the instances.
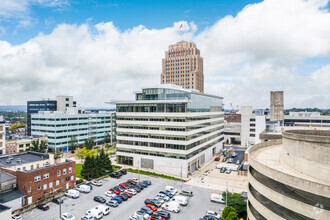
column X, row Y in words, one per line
column 98, row 51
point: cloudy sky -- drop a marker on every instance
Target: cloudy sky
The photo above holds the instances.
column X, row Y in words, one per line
column 99, row 51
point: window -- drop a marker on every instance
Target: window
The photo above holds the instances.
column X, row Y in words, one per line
column 64, row 171
column 72, row 177
column 39, row 188
column 46, row 176
column 57, row 182
column 59, row 173
column 24, row 168
column 31, row 167
column 37, row 178
column 51, row 185
column 70, row 169
column 18, row 169
column 29, row 190
column 45, row 186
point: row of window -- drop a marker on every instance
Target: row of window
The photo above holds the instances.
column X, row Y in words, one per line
column 50, row 185
column 46, row 175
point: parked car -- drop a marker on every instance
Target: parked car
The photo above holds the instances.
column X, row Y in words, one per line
column 159, row 199
column 152, row 207
column 87, row 217
column 217, row 197
column 97, row 214
column 217, row 159
column 72, row 193
column 124, row 172
column 132, row 191
column 129, row 195
column 131, row 182
column 171, row 206
column 117, row 198
column 119, row 188
column 213, row 213
column 112, row 203
column 164, row 214
column 147, row 182
column 143, row 214
column 67, row 216
column 58, row 200
column 208, row 217
column 16, row 217
column 137, row 189
column 156, row 217
column 43, row 207
column 83, row 188
column 228, row 170
column 170, row 195
column 104, row 209
column 145, row 209
column 238, row 162
column 230, row 160
column 110, row 194
column 182, row 200
column 123, row 185
column 90, row 186
column 115, row 191
column 186, row 193
column 99, row 199
column 97, row 182
column 163, row 196
column 142, row 185
column 136, row 217
column 233, row 154
column 123, row 197
column 222, row 169
column 135, row 179
column 114, row 175
column 171, row 189
column 152, row 202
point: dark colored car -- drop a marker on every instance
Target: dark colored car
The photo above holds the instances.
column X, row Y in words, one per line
column 112, row 203
column 129, row 195
column 148, row 182
column 131, row 182
column 156, row 217
column 117, row 198
column 124, row 172
column 164, row 214
column 43, row 207
column 136, row 188
column 208, row 217
column 119, row 188
column 57, row 200
column 114, row 175
column 167, row 193
column 99, row 199
column 145, row 209
column 142, row 185
column 123, row 197
column 119, row 173
column 152, row 202
column 222, row 169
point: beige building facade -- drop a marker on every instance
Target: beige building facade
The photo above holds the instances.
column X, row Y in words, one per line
column 21, row 145
column 183, row 66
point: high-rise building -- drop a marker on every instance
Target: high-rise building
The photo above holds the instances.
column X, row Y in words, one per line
column 276, row 106
column 2, row 136
column 183, row 66
column 169, row 129
column 64, row 102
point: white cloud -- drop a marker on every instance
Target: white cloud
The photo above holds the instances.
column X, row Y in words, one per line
column 245, row 57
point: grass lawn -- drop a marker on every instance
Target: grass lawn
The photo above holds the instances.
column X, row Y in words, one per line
column 78, row 170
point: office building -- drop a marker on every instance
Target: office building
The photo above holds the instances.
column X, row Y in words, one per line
column 232, row 130
column 306, row 119
column 60, row 126
column 183, row 66
column 169, row 129
column 33, row 107
column 2, row 136
column 21, row 144
column 37, row 174
column 64, row 102
column 276, row 105
column 289, row 177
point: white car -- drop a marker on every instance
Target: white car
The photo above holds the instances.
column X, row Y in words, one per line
column 135, row 179
column 110, row 194
column 67, row 216
column 144, row 215
column 132, row 191
column 16, row 217
column 159, row 199
column 87, row 217
column 213, row 213
column 136, row 217
column 163, row 196
column 97, row 182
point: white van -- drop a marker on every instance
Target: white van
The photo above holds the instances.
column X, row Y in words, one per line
column 96, row 213
column 182, row 200
column 217, row 197
column 105, row 210
column 172, row 206
column 84, row 188
column 72, row 193
column 171, row 189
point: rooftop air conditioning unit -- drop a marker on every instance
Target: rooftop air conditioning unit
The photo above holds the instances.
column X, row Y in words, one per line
column 46, row 164
column 8, row 161
column 18, row 160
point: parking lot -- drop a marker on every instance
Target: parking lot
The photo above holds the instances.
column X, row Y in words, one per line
column 196, row 208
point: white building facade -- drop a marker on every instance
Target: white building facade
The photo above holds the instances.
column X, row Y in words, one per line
column 169, row 129
column 61, row 126
column 2, row 136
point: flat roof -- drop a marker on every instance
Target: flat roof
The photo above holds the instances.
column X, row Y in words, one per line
column 26, row 157
column 11, row 195
column 150, row 101
column 4, row 176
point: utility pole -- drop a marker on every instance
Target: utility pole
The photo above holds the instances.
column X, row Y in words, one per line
column 60, row 198
column 181, row 177
column 226, row 190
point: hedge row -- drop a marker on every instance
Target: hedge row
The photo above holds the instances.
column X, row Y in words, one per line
column 152, row 174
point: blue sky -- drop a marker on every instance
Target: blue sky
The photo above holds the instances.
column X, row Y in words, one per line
column 92, row 49
column 125, row 14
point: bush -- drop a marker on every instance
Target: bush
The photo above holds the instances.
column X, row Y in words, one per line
column 79, row 181
column 236, row 201
column 143, row 172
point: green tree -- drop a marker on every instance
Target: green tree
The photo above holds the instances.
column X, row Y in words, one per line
column 106, row 162
column 57, row 154
column 229, row 213
column 236, row 201
column 106, row 138
column 73, row 143
column 89, row 143
column 81, row 153
column 89, row 169
column 39, row 146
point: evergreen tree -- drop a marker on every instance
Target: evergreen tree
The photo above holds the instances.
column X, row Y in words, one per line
column 99, row 166
column 87, row 168
column 39, row 146
column 89, row 143
column 73, row 143
column 106, row 162
column 106, row 138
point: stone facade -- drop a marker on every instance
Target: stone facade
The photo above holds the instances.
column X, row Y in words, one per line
column 276, row 105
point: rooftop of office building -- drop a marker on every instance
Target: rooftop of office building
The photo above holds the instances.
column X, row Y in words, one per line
column 21, row 158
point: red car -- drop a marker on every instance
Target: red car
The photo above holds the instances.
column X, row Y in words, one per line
column 217, row 159
column 43, row 207
column 152, row 207
column 129, row 195
column 114, row 191
column 123, row 185
column 157, row 217
column 131, row 182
